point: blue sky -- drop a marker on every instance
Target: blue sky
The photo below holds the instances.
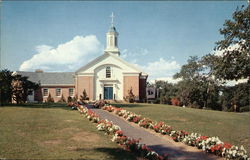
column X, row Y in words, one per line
column 158, row 36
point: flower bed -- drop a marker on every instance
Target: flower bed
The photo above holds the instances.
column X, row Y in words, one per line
column 132, row 145
column 208, row 144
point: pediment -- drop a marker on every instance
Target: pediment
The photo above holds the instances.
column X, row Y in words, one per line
column 108, row 59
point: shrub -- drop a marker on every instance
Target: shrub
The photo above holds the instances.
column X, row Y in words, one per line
column 175, row 101
column 70, row 99
column 245, row 109
column 84, row 96
column 62, row 100
column 50, row 99
column 131, row 96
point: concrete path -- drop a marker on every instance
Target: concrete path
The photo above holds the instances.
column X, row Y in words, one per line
column 159, row 143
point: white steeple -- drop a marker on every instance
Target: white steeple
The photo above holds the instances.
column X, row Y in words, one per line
column 112, row 38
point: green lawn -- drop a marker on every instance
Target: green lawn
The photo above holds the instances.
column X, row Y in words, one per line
column 46, row 132
column 229, row 127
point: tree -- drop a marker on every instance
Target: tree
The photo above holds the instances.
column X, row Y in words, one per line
column 84, row 96
column 167, row 91
column 197, row 88
column 20, row 87
column 62, row 99
column 131, row 96
column 5, row 86
column 234, row 62
column 50, row 99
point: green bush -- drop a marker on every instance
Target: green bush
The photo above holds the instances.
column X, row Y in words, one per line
column 245, row 109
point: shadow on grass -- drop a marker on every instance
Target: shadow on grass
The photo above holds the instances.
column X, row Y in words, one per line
column 131, row 105
column 40, row 105
column 112, row 153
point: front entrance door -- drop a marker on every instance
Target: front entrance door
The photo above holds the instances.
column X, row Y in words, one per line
column 108, row 92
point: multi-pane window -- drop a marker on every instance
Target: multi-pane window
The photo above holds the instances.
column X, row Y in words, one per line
column 108, row 72
column 71, row 92
column 45, row 92
column 58, row 91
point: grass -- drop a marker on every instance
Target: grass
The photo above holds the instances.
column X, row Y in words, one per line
column 53, row 132
column 229, row 127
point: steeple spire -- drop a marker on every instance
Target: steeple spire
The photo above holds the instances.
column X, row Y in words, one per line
column 112, row 19
column 112, row 38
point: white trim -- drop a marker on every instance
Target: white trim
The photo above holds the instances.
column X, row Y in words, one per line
column 90, row 64
column 43, row 92
column 130, row 74
column 60, row 92
column 85, row 74
column 42, row 85
column 73, row 92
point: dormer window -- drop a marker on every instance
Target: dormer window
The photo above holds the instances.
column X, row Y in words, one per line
column 108, row 72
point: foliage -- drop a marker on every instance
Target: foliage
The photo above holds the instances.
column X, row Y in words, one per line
column 234, row 63
column 234, row 98
column 166, row 91
column 84, row 96
column 131, row 96
column 175, row 101
column 5, row 86
column 50, row 99
column 20, row 87
column 197, row 89
column 70, row 99
column 62, row 99
column 100, row 103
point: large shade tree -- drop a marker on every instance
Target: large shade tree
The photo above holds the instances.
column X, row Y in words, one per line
column 21, row 87
column 197, row 88
column 234, row 63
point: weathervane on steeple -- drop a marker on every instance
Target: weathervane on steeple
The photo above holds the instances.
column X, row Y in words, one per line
column 112, row 19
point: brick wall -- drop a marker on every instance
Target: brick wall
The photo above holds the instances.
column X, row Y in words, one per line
column 87, row 83
column 52, row 91
column 131, row 81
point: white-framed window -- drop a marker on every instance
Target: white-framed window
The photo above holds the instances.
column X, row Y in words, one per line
column 45, row 92
column 108, row 72
column 71, row 92
column 58, row 91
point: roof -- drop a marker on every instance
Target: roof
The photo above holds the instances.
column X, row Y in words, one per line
column 100, row 58
column 49, row 78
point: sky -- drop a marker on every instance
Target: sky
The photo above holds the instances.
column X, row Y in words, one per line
column 158, row 37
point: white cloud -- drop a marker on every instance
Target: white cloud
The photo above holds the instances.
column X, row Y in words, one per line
column 161, row 70
column 168, row 79
column 68, row 56
column 234, row 82
column 126, row 54
column 230, row 48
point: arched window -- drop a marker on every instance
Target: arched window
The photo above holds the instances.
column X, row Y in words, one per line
column 108, row 72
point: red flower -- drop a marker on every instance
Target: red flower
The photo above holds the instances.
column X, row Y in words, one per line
column 227, row 145
column 119, row 132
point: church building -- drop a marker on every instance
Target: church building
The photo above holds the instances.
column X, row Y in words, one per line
column 107, row 77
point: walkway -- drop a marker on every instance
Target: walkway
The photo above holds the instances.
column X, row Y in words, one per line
column 159, row 143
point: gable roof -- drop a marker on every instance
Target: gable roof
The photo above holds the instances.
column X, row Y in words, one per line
column 49, row 78
column 106, row 54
